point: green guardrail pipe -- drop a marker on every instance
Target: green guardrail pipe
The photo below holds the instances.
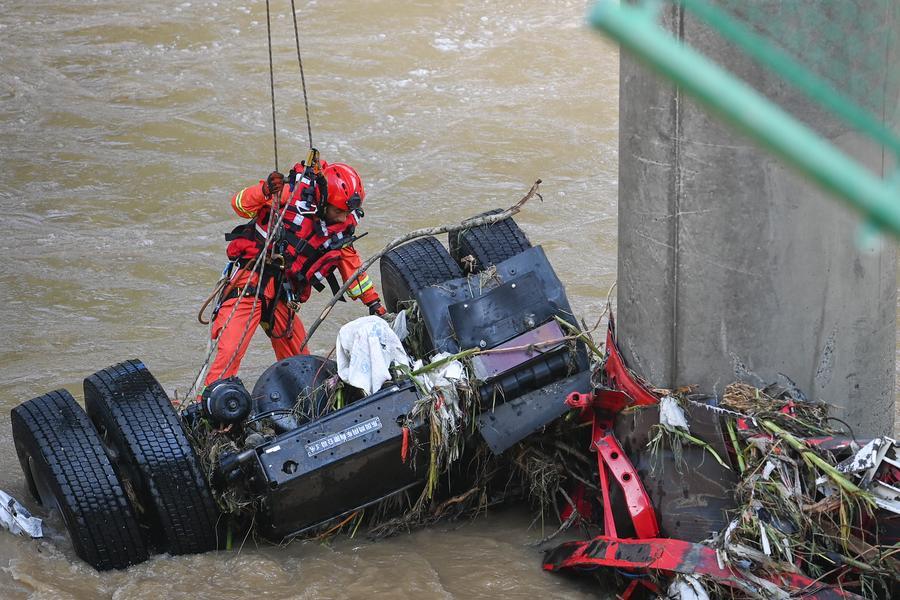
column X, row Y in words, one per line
column 635, row 29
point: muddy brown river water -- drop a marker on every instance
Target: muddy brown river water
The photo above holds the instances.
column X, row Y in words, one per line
column 125, row 127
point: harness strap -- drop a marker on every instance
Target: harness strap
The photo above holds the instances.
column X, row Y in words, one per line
column 235, row 292
column 335, row 286
column 242, row 231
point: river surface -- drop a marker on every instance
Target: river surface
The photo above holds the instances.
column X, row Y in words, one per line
column 126, row 126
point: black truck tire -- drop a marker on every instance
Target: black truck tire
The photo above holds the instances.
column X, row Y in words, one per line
column 414, row 266
column 487, row 244
column 66, row 468
column 148, row 444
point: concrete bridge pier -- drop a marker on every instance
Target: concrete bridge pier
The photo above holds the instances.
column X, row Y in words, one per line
column 727, row 260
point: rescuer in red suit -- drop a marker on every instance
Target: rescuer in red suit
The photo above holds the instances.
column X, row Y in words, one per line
column 320, row 206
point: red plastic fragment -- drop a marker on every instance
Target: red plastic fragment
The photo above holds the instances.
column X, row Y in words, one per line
column 579, row 495
column 671, row 557
column 404, row 445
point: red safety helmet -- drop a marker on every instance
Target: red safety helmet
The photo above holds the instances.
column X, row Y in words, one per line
column 345, row 187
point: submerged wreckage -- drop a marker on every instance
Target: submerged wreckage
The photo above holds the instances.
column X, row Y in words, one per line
column 753, row 494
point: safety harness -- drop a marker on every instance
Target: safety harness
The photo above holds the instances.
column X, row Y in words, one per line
column 304, row 254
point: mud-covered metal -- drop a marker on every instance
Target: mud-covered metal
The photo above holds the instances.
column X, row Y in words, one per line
column 488, row 309
column 512, row 421
column 339, row 463
column 691, row 491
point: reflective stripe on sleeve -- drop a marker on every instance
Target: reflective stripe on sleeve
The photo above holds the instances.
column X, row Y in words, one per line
column 357, row 290
column 240, row 207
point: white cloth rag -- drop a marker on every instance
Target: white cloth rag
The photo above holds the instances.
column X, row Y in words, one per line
column 366, row 348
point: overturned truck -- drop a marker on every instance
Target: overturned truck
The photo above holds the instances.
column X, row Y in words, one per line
column 131, row 476
column 748, row 495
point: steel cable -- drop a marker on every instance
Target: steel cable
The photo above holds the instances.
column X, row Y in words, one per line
column 302, row 77
column 272, row 82
column 213, row 345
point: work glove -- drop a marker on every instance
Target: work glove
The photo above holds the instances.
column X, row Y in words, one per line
column 376, row 308
column 295, row 174
column 273, row 184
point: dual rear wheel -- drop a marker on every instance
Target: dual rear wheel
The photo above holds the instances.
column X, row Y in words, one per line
column 424, row 262
column 67, row 469
column 123, row 475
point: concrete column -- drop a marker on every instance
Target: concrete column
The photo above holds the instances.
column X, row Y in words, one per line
column 728, row 260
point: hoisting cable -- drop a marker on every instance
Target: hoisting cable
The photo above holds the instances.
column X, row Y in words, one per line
column 274, row 223
column 273, row 209
column 302, row 78
column 272, row 83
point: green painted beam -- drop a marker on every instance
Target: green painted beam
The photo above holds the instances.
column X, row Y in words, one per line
column 636, row 30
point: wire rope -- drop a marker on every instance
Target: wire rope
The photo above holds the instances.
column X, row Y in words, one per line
column 272, row 83
column 302, row 77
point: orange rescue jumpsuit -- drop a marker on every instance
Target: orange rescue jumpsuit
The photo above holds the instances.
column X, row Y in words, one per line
column 231, row 348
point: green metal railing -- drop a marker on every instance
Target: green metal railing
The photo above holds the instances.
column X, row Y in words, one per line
column 636, row 28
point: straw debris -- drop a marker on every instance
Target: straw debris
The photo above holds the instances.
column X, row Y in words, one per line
column 797, row 512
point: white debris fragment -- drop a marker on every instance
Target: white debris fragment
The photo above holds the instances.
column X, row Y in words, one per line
column 399, row 325
column 868, row 459
column 825, row 486
column 787, row 550
column 442, row 380
column 686, row 587
column 864, row 459
column 865, row 465
column 17, row 519
column 445, row 376
column 886, row 496
column 671, row 414
column 764, row 539
column 767, row 588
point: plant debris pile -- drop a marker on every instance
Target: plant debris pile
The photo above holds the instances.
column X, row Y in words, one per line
column 807, row 501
